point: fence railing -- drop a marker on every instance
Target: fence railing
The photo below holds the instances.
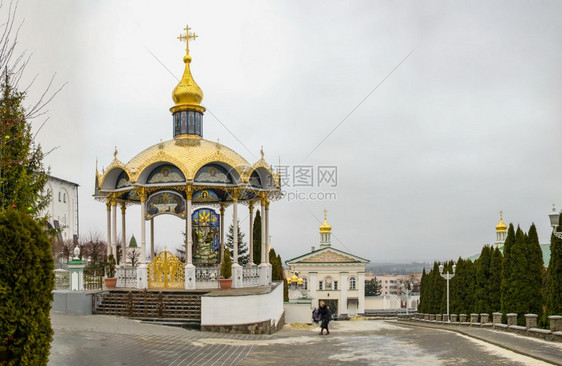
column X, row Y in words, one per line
column 126, row 277
column 62, row 279
column 250, row 276
column 93, row 279
column 207, row 277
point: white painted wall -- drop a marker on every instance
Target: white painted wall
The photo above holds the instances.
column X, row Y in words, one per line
column 244, row 309
column 300, row 312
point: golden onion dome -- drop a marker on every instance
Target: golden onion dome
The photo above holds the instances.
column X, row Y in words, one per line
column 325, row 227
column 187, row 95
column 501, row 227
column 289, row 281
column 294, row 278
column 300, row 282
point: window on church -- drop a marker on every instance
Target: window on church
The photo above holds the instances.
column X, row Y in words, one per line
column 328, row 283
column 59, row 197
column 305, row 283
column 320, row 285
column 352, row 283
column 64, row 197
column 335, row 285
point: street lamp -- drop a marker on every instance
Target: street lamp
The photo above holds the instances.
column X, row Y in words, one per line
column 447, row 276
column 554, row 221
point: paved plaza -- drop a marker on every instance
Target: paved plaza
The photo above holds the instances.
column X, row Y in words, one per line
column 109, row 340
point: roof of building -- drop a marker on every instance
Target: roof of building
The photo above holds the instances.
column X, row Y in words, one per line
column 545, row 254
column 327, row 255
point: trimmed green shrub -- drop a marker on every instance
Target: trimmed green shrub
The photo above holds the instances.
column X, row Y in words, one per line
column 226, row 265
column 26, row 284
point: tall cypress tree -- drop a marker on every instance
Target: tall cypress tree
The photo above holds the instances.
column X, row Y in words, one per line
column 22, row 175
column 423, row 297
column 495, row 282
column 257, row 238
column 535, row 269
column 482, row 281
column 438, row 290
column 554, row 277
column 517, row 294
column 243, row 255
column 508, row 267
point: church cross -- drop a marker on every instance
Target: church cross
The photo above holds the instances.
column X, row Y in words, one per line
column 187, row 36
column 325, row 214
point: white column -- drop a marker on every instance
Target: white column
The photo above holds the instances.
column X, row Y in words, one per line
column 108, row 204
column 222, row 233
column 313, row 285
column 152, row 238
column 263, row 268
column 114, row 230
column 123, row 235
column 142, row 269
column 361, row 293
column 251, row 209
column 268, row 243
column 236, row 268
column 190, row 282
column 235, row 231
column 343, row 293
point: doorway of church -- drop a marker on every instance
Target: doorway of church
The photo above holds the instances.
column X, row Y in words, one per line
column 333, row 306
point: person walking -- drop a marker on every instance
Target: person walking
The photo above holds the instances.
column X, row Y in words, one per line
column 325, row 316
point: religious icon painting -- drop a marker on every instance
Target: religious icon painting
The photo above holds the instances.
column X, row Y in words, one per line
column 206, row 236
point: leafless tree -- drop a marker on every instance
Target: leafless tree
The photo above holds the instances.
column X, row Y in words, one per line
column 95, row 249
column 134, row 256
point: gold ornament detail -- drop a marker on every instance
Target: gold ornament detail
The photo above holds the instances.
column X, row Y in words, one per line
column 166, row 271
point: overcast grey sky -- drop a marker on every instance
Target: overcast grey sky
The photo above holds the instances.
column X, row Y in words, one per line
column 468, row 125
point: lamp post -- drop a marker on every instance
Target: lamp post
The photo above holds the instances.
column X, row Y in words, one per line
column 447, row 276
column 554, row 221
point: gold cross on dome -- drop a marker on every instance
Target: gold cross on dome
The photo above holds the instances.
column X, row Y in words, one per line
column 325, row 214
column 187, row 36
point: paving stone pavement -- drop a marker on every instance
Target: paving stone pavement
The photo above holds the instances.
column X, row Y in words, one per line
column 108, row 340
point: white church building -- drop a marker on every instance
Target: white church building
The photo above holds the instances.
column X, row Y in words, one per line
column 330, row 275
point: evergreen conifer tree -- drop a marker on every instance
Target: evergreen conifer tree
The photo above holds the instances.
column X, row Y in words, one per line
column 438, row 290
column 243, row 255
column 26, row 284
column 257, row 238
column 554, row 277
column 482, row 293
column 508, row 267
column 22, row 175
column 494, row 289
column 423, row 296
column 535, row 271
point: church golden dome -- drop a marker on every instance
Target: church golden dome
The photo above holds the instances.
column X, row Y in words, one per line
column 325, row 227
column 187, row 95
column 501, row 227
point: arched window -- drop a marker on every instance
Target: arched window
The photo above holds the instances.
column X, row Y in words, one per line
column 59, row 197
column 305, row 283
column 328, row 283
column 64, row 197
column 352, row 283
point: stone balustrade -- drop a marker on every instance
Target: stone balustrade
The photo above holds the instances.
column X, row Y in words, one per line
column 511, row 319
column 530, row 321
column 555, row 323
column 530, row 328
